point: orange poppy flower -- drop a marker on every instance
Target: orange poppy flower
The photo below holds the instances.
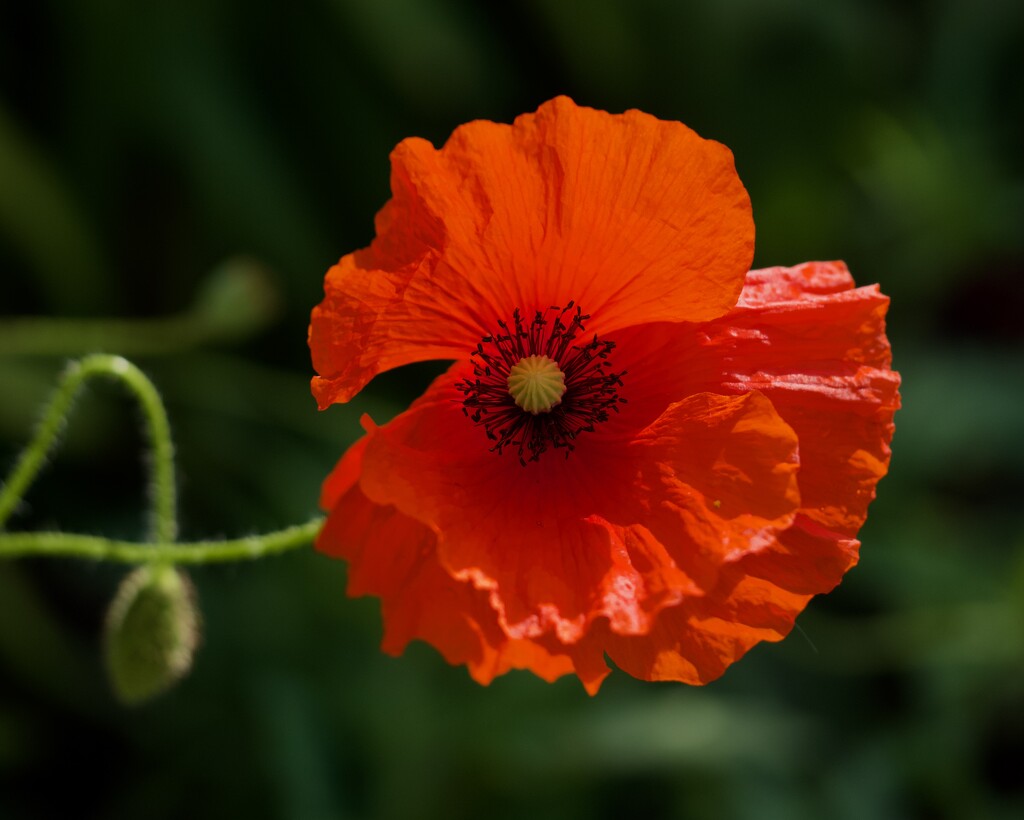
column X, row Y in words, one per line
column 642, row 451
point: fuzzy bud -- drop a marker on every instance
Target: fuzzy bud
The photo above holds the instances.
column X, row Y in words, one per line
column 151, row 632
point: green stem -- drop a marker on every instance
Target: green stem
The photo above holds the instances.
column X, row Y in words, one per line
column 235, row 301
column 19, row 544
column 40, row 336
column 163, row 526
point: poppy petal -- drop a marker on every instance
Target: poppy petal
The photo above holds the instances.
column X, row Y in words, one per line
column 635, row 218
column 685, row 647
column 394, row 557
column 698, row 640
column 825, row 362
column 612, row 531
column 816, row 347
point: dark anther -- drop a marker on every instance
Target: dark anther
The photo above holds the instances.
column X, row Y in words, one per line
column 590, row 388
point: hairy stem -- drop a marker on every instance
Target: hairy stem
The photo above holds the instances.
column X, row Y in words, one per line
column 163, row 524
column 18, row 544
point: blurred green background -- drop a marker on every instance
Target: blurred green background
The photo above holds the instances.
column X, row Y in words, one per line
column 208, row 160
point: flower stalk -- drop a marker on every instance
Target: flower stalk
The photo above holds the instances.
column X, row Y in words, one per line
column 72, row 545
column 163, row 524
column 160, row 544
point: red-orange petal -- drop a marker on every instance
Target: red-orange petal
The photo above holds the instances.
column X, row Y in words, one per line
column 825, row 362
column 814, row 345
column 817, row 347
column 618, row 530
column 634, row 218
column 394, row 557
column 697, row 641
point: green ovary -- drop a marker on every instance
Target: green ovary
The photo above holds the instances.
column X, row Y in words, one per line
column 536, row 383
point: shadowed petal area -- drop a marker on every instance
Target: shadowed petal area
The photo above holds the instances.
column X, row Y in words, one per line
column 634, row 218
column 394, row 557
column 618, row 530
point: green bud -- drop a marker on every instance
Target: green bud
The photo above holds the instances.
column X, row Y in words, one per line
column 151, row 632
column 237, row 298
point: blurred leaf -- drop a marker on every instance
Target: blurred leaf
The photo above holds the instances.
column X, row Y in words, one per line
column 961, row 408
column 987, row 634
column 39, row 218
column 938, row 200
column 236, row 300
column 670, row 729
column 429, row 50
column 598, row 41
column 37, row 651
column 292, row 746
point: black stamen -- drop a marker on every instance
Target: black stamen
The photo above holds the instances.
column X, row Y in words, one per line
column 590, row 388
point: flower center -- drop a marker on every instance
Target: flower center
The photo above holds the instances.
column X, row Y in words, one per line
column 536, row 384
column 540, row 385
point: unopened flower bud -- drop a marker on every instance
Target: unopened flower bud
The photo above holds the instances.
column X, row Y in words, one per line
column 151, row 632
column 237, row 299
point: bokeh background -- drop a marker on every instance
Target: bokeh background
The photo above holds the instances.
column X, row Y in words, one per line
column 198, row 164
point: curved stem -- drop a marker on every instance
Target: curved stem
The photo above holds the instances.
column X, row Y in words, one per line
column 16, row 545
column 163, row 526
